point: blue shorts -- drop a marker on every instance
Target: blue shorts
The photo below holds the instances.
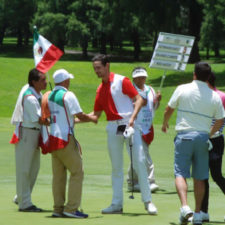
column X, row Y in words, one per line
column 191, row 149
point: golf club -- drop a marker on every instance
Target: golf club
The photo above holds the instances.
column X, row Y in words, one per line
column 132, row 172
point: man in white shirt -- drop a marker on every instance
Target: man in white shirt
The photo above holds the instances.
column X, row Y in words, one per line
column 26, row 140
column 63, row 106
column 196, row 105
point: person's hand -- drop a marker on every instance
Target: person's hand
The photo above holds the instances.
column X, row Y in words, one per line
column 94, row 119
column 165, row 127
column 131, row 122
column 158, row 96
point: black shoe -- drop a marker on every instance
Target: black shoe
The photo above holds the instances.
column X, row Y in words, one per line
column 57, row 215
column 32, row 208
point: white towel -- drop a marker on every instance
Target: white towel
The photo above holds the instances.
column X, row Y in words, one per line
column 17, row 116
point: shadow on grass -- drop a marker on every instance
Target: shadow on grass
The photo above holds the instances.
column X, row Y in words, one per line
column 176, row 78
column 205, row 223
column 64, row 217
column 136, row 214
column 161, row 191
column 209, row 223
column 172, row 192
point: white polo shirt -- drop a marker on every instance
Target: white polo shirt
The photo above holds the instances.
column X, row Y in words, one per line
column 196, row 106
column 71, row 103
column 31, row 110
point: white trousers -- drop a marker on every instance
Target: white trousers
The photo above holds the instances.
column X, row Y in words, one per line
column 27, row 165
column 149, row 165
column 115, row 148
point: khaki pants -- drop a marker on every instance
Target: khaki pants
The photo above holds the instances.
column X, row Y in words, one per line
column 27, row 165
column 68, row 158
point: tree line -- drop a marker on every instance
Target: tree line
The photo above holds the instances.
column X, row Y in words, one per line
column 101, row 23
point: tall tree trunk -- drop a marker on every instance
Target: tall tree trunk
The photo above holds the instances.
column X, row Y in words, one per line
column 94, row 42
column 19, row 37
column 2, row 35
column 60, row 45
column 103, row 44
column 195, row 20
column 111, row 43
column 155, row 39
column 136, row 42
column 84, row 45
column 216, row 50
column 207, row 52
column 26, row 35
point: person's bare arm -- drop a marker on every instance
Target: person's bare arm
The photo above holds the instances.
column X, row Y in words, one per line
column 167, row 114
column 138, row 103
column 217, row 125
column 91, row 117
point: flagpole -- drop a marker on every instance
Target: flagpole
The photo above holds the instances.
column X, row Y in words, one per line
column 162, row 81
column 160, row 87
column 49, row 81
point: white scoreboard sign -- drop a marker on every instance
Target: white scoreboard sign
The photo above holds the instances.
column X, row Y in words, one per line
column 172, row 51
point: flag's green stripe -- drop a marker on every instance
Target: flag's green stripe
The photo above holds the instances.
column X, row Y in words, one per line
column 57, row 97
column 36, row 36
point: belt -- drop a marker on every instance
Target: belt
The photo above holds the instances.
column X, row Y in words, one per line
column 32, row 128
column 120, row 122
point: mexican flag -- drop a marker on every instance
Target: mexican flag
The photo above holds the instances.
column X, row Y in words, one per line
column 45, row 53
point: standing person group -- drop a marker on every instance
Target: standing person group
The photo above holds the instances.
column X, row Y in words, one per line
column 129, row 111
column 145, row 120
column 196, row 105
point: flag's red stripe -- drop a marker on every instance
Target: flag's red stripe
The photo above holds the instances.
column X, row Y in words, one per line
column 14, row 139
column 49, row 59
column 52, row 144
column 148, row 138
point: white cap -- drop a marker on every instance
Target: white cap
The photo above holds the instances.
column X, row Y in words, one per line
column 61, row 75
column 139, row 73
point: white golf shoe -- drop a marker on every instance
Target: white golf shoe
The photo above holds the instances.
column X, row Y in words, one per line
column 197, row 219
column 205, row 217
column 154, row 187
column 185, row 214
column 113, row 209
column 150, row 207
column 15, row 200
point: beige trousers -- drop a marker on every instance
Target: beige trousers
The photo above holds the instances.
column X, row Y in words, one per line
column 68, row 158
column 27, row 156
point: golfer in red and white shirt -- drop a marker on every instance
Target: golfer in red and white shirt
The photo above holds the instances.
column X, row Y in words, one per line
column 121, row 103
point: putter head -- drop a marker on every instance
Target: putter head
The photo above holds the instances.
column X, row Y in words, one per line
column 131, row 197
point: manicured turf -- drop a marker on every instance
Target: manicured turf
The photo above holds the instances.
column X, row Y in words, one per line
column 97, row 184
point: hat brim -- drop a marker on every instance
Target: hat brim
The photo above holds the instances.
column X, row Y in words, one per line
column 140, row 75
column 71, row 76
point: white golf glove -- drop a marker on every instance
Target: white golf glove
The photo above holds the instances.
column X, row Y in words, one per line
column 210, row 146
column 128, row 132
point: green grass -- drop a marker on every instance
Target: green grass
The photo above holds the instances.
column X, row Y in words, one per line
column 14, row 72
column 97, row 191
column 97, row 183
